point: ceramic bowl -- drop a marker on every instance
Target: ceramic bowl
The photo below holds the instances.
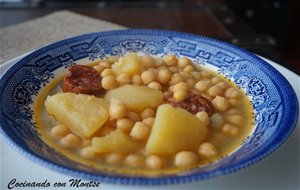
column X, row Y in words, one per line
column 274, row 101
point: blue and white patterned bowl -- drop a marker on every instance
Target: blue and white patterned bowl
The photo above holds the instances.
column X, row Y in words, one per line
column 274, row 101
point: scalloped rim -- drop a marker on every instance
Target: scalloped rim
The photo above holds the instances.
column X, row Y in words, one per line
column 173, row 179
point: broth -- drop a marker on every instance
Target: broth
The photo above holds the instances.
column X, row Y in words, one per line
column 228, row 125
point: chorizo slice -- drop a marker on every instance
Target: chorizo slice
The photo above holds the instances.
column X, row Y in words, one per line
column 192, row 103
column 82, row 79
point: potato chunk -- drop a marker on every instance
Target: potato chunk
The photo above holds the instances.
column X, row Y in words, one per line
column 136, row 97
column 129, row 64
column 116, row 141
column 175, row 129
column 82, row 114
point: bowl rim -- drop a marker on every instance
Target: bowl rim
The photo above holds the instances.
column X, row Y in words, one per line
column 161, row 180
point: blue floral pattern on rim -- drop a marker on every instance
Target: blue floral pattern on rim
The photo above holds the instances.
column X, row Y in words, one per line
column 274, row 101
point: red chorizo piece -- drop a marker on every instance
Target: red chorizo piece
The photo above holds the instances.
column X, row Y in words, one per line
column 82, row 79
column 192, row 103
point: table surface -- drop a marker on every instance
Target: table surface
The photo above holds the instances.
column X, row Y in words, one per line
column 278, row 171
column 214, row 20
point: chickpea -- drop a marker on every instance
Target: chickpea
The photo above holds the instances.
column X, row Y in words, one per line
column 170, row 60
column 159, row 62
column 196, row 75
column 220, row 103
column 148, row 76
column 194, row 91
column 176, row 78
column 70, row 141
column 206, row 96
column 155, row 85
column 189, row 68
column 216, row 120
column 105, row 64
column 183, row 62
column 148, row 112
column 171, row 89
column 117, row 110
column 207, row 149
column 205, row 74
column 154, row 70
column 203, row 85
column 190, row 82
column 114, row 158
column 154, row 162
column 109, row 82
column 230, row 129
column 164, row 76
column 99, row 68
column 148, row 61
column 163, row 68
column 204, row 118
column 124, row 124
column 185, row 75
column 107, row 72
column 223, row 85
column 180, row 95
column 181, row 86
column 133, row 116
column 134, row 160
column 236, row 119
column 140, row 131
column 215, row 91
column 186, row 159
column 234, row 102
column 173, row 69
column 136, row 79
column 232, row 93
column 124, row 79
column 149, row 121
column 59, row 131
column 87, row 152
column 215, row 80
